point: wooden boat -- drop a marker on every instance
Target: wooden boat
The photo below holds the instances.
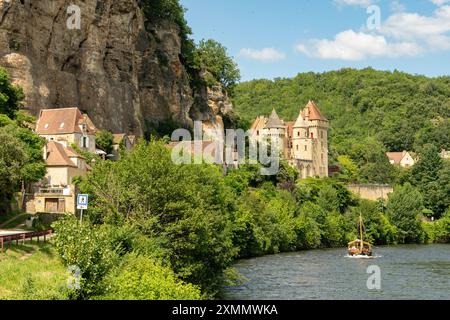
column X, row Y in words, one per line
column 359, row 247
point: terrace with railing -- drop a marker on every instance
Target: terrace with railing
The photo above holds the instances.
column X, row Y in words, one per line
column 53, row 191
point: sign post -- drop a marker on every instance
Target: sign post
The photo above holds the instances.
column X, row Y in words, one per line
column 82, row 204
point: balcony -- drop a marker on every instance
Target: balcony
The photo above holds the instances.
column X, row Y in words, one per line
column 54, row 191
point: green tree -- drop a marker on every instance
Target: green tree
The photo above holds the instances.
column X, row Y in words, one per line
column 10, row 96
column 86, row 248
column 104, row 140
column 15, row 127
column 34, row 168
column 427, row 168
column 13, row 158
column 437, row 193
column 185, row 207
column 213, row 57
column 432, row 178
column 404, row 209
column 349, row 169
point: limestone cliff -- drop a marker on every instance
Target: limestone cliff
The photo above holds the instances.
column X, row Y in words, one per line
column 123, row 73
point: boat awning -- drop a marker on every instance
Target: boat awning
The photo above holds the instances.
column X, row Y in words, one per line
column 358, row 241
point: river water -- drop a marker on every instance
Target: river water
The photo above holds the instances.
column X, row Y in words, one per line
column 407, row 272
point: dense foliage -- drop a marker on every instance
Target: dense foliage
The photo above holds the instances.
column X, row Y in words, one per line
column 10, row 96
column 213, row 58
column 21, row 159
column 142, row 278
column 104, row 140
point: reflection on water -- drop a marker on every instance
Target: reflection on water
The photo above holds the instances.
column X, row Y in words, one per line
column 407, row 272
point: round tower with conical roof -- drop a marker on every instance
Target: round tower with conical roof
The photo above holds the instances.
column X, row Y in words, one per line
column 310, row 142
column 275, row 130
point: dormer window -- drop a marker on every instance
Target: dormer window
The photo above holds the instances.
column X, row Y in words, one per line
column 46, row 126
column 61, row 126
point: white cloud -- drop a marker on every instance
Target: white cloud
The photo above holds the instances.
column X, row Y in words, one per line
column 402, row 34
column 353, row 46
column 440, row 2
column 414, row 26
column 263, row 55
column 397, row 6
column 361, row 3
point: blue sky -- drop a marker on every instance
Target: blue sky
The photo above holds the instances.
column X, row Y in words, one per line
column 281, row 38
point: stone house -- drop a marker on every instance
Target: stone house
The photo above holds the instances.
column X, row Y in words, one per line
column 67, row 126
column 62, row 128
column 56, row 193
column 404, row 159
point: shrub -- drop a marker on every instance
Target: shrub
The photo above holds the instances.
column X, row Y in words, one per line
column 87, row 248
column 142, row 278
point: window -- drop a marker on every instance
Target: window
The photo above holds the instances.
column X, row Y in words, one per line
column 85, row 142
column 297, row 147
column 257, row 133
column 298, row 134
column 312, row 135
column 306, row 148
column 61, row 125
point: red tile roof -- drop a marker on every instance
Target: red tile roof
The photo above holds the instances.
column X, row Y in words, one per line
column 58, row 155
column 259, row 123
column 62, row 121
column 314, row 112
column 396, row 156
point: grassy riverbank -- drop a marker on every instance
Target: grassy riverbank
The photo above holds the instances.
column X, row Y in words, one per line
column 31, row 271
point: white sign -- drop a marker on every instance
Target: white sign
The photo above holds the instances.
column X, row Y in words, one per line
column 82, row 201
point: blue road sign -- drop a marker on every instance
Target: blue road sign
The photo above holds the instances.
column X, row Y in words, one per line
column 82, row 201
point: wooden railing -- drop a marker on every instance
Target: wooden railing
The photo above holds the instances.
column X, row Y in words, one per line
column 22, row 237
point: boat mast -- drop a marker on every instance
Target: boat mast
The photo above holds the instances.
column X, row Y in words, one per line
column 360, row 229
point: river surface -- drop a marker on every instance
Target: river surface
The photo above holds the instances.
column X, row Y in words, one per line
column 407, row 272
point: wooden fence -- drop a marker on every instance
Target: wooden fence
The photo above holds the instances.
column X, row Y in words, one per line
column 22, row 237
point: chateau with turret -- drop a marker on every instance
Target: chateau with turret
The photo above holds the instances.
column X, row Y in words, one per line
column 304, row 142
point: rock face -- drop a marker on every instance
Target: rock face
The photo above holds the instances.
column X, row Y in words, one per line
column 121, row 73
